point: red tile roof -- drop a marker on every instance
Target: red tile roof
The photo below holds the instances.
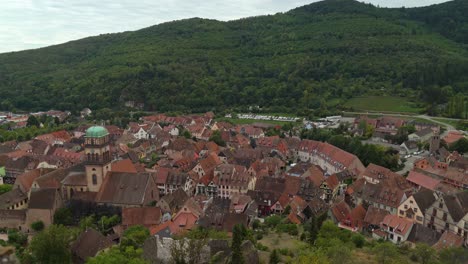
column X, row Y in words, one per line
column 400, row 225
column 453, row 136
column 448, row 240
column 124, row 165
column 146, row 216
column 422, row 180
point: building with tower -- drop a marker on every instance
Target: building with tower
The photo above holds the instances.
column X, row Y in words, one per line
column 434, row 144
column 88, row 177
column 97, row 156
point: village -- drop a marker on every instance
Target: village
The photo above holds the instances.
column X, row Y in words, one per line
column 174, row 174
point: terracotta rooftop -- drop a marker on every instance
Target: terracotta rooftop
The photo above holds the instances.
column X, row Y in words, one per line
column 400, row 225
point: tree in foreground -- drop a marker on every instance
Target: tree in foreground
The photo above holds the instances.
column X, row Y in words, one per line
column 237, row 238
column 385, row 252
column 51, row 246
column 424, row 252
column 134, row 236
column 274, row 257
column 116, row 256
column 313, row 230
column 453, row 255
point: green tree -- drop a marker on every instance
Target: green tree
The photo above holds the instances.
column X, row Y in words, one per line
column 313, row 230
column 134, row 236
column 385, row 252
column 460, row 145
column 424, row 252
column 116, row 256
column 216, row 138
column 37, row 226
column 274, row 257
column 32, row 121
column 51, row 246
column 273, row 220
column 237, row 238
column 17, row 238
column 88, row 222
column 4, row 188
column 186, row 134
column 63, row 216
column 106, row 223
column 453, row 255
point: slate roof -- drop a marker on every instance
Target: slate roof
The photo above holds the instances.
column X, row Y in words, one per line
column 422, row 234
column 89, row 243
column 457, row 205
column 124, row 188
column 43, row 198
column 12, row 215
column 424, row 198
column 11, row 198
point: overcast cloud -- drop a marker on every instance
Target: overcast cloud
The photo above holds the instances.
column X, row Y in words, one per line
column 27, row 24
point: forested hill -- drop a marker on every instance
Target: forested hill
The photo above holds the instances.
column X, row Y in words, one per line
column 312, row 57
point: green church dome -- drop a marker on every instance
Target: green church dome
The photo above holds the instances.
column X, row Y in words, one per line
column 96, row 132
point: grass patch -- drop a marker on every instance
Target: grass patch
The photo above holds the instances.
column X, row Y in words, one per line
column 281, row 241
column 383, row 103
column 446, row 121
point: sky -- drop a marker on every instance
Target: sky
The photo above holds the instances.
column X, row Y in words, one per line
column 28, row 24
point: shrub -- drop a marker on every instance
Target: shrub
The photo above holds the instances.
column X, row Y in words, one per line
column 262, row 247
column 37, row 226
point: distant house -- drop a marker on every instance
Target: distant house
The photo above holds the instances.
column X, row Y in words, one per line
column 453, row 136
column 397, row 229
column 42, row 206
column 89, row 244
column 380, row 187
column 347, row 218
column 446, row 212
column 330, row 158
column 145, row 216
column 416, row 205
column 422, row 135
column 409, row 147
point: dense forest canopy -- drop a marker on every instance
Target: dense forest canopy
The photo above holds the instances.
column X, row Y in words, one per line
column 312, row 57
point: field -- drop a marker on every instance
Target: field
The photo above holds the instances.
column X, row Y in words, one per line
column 383, row 104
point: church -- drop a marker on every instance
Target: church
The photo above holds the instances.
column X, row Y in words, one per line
column 94, row 179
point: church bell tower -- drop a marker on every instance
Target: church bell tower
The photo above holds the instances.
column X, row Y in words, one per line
column 98, row 156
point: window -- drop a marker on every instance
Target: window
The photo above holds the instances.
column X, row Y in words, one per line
column 445, row 217
column 415, row 210
column 402, row 212
column 441, row 205
column 94, row 179
column 419, row 218
column 406, row 206
column 446, row 226
column 411, row 201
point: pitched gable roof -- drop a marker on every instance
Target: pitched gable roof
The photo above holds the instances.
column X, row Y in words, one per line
column 146, row 216
column 124, row 188
column 424, row 198
column 89, row 243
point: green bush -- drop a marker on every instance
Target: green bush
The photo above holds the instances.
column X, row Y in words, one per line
column 38, row 226
column 262, row 247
